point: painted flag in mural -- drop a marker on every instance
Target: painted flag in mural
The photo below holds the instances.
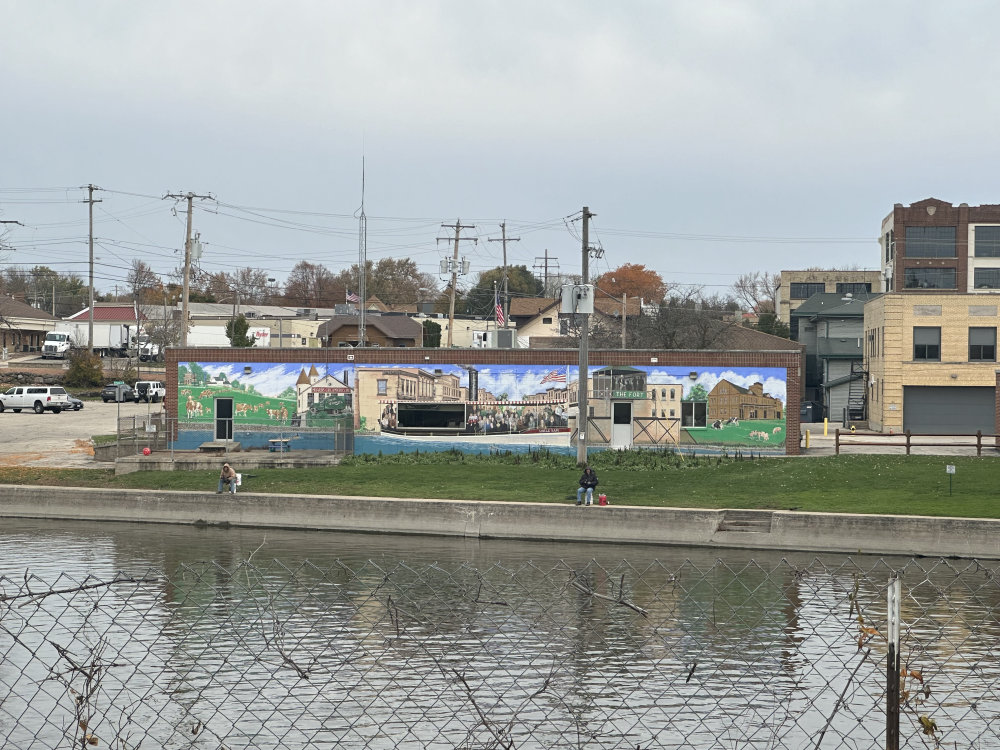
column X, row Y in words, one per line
column 352, row 297
column 555, row 377
column 499, row 309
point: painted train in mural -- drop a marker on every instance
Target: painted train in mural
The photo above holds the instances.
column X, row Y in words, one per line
column 461, row 405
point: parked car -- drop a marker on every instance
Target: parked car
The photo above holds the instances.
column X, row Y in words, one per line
column 117, row 392
column 75, row 403
column 149, row 391
column 39, row 398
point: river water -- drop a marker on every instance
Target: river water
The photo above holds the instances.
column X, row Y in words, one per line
column 297, row 639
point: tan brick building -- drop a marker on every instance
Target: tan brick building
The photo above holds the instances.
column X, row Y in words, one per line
column 931, row 362
column 795, row 287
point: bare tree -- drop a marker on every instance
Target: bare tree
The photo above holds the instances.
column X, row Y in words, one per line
column 758, row 291
column 143, row 283
column 313, row 285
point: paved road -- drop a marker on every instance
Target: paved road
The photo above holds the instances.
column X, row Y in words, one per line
column 61, row 440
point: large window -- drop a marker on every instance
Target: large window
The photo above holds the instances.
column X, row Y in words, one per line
column 930, row 242
column 854, row 287
column 982, row 344
column 927, row 343
column 987, row 242
column 987, row 278
column 930, row 278
column 801, row 290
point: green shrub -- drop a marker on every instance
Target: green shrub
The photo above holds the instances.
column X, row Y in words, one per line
column 85, row 370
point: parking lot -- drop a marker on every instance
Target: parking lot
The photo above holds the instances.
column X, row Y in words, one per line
column 62, row 440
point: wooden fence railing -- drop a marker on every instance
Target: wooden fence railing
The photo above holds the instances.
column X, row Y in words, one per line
column 909, row 440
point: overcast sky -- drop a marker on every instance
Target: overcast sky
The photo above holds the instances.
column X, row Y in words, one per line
column 711, row 139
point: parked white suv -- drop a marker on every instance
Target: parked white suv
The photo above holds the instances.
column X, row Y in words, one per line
column 37, row 397
column 149, row 391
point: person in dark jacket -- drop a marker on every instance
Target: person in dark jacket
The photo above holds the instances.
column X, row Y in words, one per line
column 587, row 483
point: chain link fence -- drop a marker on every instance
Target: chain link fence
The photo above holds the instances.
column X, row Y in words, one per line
column 160, row 432
column 262, row 655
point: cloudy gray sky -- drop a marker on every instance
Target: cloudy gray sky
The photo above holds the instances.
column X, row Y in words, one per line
column 710, row 138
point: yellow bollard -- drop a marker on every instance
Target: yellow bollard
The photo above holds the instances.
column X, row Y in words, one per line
column 807, row 439
column 826, row 422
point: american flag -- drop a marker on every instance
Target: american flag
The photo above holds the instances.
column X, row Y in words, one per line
column 499, row 310
column 352, row 297
column 556, row 376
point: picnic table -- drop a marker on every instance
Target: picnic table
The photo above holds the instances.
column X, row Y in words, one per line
column 279, row 445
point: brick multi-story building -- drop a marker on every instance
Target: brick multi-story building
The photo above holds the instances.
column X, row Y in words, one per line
column 932, row 246
column 931, row 341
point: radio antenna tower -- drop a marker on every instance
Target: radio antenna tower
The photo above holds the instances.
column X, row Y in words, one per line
column 362, row 260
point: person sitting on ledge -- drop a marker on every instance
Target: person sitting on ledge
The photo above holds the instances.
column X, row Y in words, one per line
column 227, row 477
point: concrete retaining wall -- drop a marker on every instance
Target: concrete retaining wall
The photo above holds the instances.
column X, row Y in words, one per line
column 781, row 530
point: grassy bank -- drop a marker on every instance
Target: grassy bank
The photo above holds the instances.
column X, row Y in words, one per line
column 880, row 484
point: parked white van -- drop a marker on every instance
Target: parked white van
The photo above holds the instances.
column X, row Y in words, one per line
column 36, row 397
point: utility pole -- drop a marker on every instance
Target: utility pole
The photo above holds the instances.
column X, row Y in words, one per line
column 583, row 405
column 624, row 296
column 506, row 297
column 90, row 243
column 458, row 226
column 543, row 263
column 189, row 197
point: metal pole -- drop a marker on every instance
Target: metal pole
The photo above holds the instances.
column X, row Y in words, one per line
column 583, row 406
column 187, row 272
column 892, row 667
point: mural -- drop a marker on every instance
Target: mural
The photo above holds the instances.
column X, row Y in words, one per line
column 480, row 408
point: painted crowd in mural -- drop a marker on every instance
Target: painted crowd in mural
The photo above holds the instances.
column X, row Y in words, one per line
column 478, row 408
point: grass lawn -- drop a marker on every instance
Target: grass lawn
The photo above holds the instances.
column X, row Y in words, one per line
column 880, row 484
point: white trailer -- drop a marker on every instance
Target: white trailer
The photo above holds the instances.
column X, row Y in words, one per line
column 109, row 339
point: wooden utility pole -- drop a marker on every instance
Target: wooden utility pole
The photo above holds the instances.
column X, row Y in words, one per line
column 506, row 296
column 189, row 197
column 458, row 226
column 583, row 406
column 90, row 305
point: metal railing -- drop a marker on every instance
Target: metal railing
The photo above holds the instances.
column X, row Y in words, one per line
column 571, row 655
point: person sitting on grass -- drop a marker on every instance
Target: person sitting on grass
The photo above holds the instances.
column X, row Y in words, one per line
column 227, row 477
column 587, row 483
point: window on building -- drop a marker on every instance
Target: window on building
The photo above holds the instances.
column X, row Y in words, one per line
column 854, row 287
column 982, row 344
column 547, row 321
column 927, row 343
column 694, row 413
column 803, row 290
column 987, row 242
column 930, row 242
column 383, row 387
column 890, row 244
column 930, row 278
column 986, row 278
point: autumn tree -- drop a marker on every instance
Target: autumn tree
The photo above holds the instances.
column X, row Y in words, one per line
column 394, row 281
column 143, row 283
column 520, row 283
column 634, row 280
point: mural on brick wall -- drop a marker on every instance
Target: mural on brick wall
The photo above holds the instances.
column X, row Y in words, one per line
column 275, row 395
column 479, row 408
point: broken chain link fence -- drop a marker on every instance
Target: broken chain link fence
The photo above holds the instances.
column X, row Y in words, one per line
column 262, row 655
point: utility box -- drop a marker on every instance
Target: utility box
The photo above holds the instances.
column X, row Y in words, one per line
column 577, row 298
column 502, row 338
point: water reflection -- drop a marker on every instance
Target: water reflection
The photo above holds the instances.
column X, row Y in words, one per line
column 312, row 639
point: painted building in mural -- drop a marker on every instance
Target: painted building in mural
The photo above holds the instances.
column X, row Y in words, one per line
column 407, row 405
